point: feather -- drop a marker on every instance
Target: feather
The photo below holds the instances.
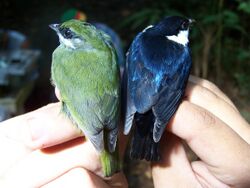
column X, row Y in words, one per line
column 157, row 71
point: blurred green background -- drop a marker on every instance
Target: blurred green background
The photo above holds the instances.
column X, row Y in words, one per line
column 220, row 40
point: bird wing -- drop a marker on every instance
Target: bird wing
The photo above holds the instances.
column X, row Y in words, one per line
column 174, row 62
column 90, row 95
column 135, row 99
column 106, row 115
column 140, row 86
column 98, row 123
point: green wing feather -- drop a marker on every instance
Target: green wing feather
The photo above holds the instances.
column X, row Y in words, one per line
column 89, row 85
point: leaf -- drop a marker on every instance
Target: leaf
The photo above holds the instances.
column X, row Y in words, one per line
column 245, row 7
column 243, row 80
column 143, row 17
column 230, row 17
column 232, row 21
column 154, row 18
column 168, row 12
column 243, row 55
column 210, row 19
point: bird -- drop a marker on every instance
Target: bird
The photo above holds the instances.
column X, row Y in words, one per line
column 86, row 72
column 77, row 14
column 158, row 65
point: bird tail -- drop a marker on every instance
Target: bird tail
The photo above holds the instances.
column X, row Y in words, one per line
column 142, row 143
column 110, row 160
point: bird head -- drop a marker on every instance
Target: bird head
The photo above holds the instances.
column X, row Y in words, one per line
column 75, row 34
column 175, row 28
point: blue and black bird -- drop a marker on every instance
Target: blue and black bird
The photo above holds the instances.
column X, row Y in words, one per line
column 157, row 69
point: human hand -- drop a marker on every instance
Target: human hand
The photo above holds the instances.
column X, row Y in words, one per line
column 43, row 149
column 209, row 123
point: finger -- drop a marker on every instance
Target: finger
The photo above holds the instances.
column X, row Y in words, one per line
column 57, row 92
column 213, row 103
column 77, row 178
column 211, row 139
column 118, row 180
column 211, row 87
column 174, row 169
column 42, row 166
column 41, row 128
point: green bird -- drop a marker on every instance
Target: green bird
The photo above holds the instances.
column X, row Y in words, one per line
column 85, row 70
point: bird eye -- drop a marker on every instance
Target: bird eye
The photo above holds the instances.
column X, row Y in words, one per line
column 86, row 24
column 184, row 25
column 67, row 33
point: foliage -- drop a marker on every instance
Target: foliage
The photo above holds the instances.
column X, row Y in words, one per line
column 243, row 80
column 244, row 6
column 220, row 41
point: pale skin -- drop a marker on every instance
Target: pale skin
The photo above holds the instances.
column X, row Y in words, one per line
column 28, row 159
column 206, row 120
column 214, row 129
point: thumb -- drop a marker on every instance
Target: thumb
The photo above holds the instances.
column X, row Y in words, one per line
column 41, row 128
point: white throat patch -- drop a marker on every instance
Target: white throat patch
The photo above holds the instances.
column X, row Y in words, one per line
column 66, row 42
column 181, row 38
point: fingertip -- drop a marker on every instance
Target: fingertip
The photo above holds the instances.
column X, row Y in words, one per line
column 196, row 85
column 49, row 126
column 190, row 121
column 118, row 180
column 57, row 92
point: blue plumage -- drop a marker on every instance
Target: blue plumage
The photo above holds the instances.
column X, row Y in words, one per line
column 157, row 69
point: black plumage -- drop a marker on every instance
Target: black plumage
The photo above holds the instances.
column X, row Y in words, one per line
column 157, row 69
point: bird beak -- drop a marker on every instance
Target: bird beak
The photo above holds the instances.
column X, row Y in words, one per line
column 191, row 22
column 54, row 27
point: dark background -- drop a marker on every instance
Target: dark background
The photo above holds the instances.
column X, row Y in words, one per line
column 220, row 41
